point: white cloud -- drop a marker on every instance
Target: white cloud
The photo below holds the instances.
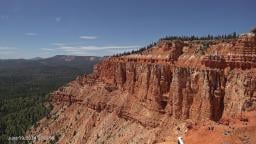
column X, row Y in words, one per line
column 121, row 47
column 91, row 48
column 58, row 19
column 69, row 48
column 47, row 49
column 88, row 37
column 31, row 34
column 6, row 48
column 73, row 49
column 6, row 51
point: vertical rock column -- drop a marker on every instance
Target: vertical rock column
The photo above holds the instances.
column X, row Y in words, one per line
column 120, row 75
column 179, row 93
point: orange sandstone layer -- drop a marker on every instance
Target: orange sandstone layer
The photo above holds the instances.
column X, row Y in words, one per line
column 174, row 89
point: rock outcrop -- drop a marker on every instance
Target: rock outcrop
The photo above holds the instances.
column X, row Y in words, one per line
column 154, row 96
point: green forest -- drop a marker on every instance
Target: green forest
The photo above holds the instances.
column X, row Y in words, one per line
column 24, row 88
column 204, row 39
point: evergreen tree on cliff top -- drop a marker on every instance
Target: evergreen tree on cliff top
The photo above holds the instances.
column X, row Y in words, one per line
column 254, row 30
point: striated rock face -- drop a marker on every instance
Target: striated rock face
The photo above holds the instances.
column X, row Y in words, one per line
column 197, row 94
column 240, row 93
column 140, row 99
column 182, row 92
column 238, row 54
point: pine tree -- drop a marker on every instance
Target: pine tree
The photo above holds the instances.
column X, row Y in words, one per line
column 254, row 30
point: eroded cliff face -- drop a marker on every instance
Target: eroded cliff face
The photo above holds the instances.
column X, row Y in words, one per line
column 152, row 97
column 184, row 93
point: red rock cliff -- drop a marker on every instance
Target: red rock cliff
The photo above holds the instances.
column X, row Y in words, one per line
column 153, row 96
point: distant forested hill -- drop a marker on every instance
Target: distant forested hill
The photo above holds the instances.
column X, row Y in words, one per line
column 25, row 84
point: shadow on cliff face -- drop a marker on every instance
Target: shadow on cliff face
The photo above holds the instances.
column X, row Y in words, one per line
column 163, row 104
column 217, row 108
column 216, row 90
column 219, row 116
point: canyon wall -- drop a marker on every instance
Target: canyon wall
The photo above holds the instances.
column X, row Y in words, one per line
column 183, row 92
column 151, row 97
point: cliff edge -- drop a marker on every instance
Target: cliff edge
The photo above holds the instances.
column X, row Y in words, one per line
column 176, row 88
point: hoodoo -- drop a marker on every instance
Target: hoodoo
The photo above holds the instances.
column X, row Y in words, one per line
column 175, row 88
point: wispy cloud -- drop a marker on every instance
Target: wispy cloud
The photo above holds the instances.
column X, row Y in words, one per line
column 58, row 19
column 30, row 34
column 48, row 49
column 80, row 48
column 88, row 37
column 95, row 48
column 90, row 50
column 6, row 48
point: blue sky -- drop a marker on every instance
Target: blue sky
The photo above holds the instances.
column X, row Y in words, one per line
column 44, row 28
